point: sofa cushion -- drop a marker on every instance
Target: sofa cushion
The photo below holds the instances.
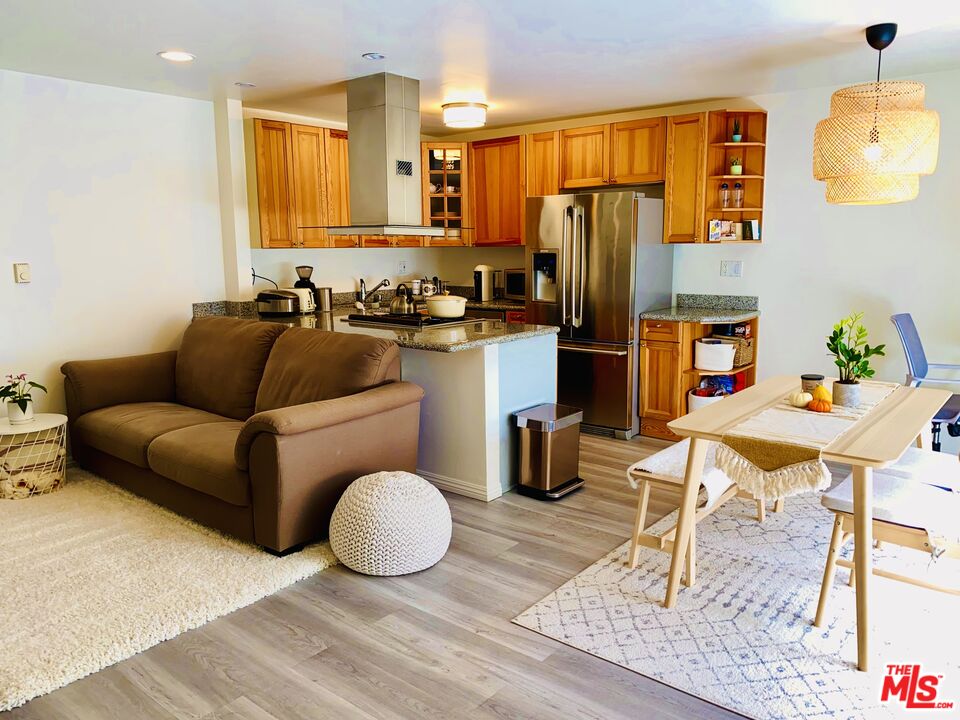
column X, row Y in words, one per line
column 201, row 458
column 220, row 363
column 125, row 431
column 308, row 365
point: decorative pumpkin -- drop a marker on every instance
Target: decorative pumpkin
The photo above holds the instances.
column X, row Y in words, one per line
column 799, row 399
column 821, row 393
column 820, row 406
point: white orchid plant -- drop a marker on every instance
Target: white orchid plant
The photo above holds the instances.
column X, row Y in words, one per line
column 18, row 390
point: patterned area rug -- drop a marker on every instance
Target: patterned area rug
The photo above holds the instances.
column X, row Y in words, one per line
column 743, row 638
column 91, row 574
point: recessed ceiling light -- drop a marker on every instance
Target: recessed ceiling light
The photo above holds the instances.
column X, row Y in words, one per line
column 244, row 84
column 373, row 56
column 177, row 56
column 464, row 114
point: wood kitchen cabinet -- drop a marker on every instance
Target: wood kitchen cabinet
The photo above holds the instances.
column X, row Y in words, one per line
column 274, row 159
column 584, row 156
column 622, row 153
column 661, row 378
column 445, row 169
column 685, row 178
column 303, row 184
column 497, row 191
column 543, row 163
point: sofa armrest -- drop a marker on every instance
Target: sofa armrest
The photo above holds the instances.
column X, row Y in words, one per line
column 301, row 459
column 93, row 384
column 298, row 419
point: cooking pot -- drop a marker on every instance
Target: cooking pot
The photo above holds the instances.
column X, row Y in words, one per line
column 446, row 306
column 403, row 303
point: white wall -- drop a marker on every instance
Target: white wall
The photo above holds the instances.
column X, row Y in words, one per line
column 111, row 196
column 341, row 268
column 819, row 262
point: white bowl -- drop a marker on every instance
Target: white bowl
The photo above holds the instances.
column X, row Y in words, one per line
column 446, row 306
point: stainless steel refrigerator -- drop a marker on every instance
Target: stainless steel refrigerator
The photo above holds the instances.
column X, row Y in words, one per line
column 594, row 262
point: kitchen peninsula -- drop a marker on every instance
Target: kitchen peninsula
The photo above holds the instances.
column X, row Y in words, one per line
column 475, row 376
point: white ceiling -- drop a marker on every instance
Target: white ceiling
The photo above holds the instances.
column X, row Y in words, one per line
column 531, row 59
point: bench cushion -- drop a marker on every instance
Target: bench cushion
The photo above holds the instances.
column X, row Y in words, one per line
column 220, row 364
column 201, row 458
column 934, row 468
column 901, row 501
column 126, row 431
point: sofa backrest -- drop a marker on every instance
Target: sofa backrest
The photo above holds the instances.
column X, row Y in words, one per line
column 306, row 365
column 220, row 364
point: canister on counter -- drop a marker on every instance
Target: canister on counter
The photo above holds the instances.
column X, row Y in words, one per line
column 810, row 382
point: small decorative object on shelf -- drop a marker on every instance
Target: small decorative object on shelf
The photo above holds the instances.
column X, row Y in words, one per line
column 848, row 344
column 737, row 195
column 725, row 195
column 17, row 394
column 736, row 165
column 737, row 137
column 810, row 382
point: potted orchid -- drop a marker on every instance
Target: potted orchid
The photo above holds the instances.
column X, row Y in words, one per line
column 851, row 353
column 17, row 394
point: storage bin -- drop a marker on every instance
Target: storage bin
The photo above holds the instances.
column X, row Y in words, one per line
column 695, row 402
column 744, row 353
column 717, row 356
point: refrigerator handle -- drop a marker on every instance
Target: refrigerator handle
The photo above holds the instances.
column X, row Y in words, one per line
column 581, row 252
column 563, row 267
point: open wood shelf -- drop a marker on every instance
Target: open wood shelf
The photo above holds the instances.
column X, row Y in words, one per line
column 736, row 177
column 739, row 209
column 705, row 373
column 732, row 144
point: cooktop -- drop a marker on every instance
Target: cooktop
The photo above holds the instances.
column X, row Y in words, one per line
column 414, row 321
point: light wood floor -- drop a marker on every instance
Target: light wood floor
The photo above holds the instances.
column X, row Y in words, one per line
column 437, row 644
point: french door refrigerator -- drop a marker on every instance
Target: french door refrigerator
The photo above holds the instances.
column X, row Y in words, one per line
column 594, row 262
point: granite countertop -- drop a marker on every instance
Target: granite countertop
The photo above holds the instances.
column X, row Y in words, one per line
column 498, row 304
column 708, row 309
column 453, row 338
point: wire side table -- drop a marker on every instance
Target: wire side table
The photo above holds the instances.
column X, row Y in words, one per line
column 32, row 456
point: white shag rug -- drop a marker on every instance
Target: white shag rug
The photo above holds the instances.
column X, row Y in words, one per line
column 92, row 574
column 743, row 638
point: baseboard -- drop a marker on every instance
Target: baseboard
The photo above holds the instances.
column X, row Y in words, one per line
column 457, row 486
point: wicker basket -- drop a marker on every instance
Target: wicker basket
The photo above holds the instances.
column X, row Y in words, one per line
column 744, row 354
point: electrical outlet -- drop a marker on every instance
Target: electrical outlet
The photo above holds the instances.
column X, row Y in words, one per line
column 401, row 267
column 21, row 272
column 731, row 268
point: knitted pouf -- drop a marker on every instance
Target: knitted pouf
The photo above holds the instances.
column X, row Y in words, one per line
column 390, row 523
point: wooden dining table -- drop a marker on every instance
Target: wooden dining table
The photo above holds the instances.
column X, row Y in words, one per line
column 875, row 441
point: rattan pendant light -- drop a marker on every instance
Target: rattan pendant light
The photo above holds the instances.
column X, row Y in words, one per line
column 878, row 140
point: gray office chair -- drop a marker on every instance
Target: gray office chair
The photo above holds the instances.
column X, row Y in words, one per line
column 917, row 374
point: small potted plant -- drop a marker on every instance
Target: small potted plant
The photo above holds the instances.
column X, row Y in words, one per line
column 19, row 401
column 736, row 166
column 848, row 344
column 737, row 137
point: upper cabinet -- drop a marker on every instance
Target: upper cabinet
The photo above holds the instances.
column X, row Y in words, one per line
column 637, row 151
column 274, row 157
column 623, row 153
column 585, row 156
column 446, row 185
column 543, row 163
column 302, row 184
column 497, row 195
column 713, row 189
column 684, row 180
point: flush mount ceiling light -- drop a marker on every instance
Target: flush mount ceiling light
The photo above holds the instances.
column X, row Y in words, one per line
column 177, row 56
column 464, row 114
column 373, row 56
column 878, row 140
column 244, row 85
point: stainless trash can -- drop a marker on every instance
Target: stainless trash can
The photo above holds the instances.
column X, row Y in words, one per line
column 549, row 451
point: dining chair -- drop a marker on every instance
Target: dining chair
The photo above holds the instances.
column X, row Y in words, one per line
column 912, row 500
column 918, row 373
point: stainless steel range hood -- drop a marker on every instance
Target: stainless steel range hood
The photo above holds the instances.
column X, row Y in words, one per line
column 383, row 122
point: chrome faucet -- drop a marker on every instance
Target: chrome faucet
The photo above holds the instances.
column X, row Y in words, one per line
column 363, row 296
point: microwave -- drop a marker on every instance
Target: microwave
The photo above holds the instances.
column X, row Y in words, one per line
column 515, row 284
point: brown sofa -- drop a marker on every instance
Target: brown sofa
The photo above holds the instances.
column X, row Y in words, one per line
column 250, row 428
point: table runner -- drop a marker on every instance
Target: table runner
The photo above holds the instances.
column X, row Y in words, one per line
column 777, row 452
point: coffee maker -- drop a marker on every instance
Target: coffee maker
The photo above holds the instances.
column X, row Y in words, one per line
column 483, row 283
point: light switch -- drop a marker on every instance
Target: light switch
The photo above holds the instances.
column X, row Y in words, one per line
column 731, row 268
column 21, row 272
